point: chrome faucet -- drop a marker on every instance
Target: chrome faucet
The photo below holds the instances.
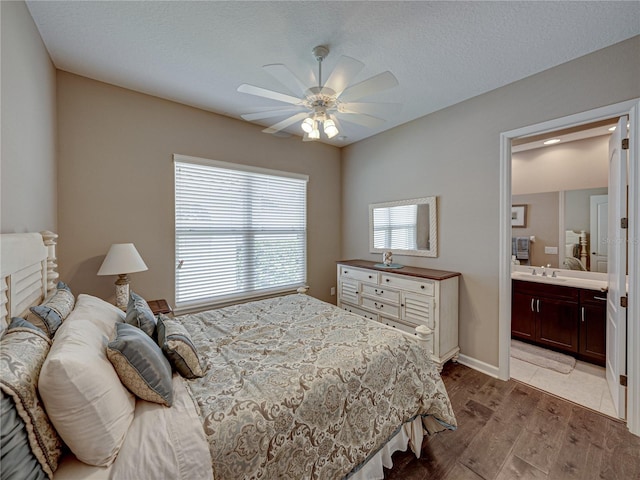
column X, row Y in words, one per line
column 544, row 272
column 533, row 271
column 554, row 274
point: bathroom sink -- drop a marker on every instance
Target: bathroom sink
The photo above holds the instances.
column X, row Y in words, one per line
column 537, row 278
column 599, row 284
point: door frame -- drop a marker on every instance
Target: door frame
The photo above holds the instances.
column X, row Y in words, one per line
column 631, row 108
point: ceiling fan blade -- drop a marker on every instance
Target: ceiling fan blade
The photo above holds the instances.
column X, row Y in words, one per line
column 285, row 123
column 362, row 119
column 378, row 83
column 287, row 78
column 344, row 72
column 268, row 113
column 270, row 94
column 380, row 109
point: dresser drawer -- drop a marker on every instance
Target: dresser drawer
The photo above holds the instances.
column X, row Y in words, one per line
column 382, row 293
column 359, row 311
column 382, row 307
column 418, row 285
column 357, row 274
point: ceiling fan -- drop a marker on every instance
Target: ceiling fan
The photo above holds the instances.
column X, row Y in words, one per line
column 323, row 106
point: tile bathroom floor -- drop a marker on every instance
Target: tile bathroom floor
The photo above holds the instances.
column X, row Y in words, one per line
column 585, row 385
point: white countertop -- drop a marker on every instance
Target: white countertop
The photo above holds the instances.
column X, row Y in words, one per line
column 567, row 278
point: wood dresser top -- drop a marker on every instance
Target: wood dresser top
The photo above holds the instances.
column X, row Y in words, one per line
column 405, row 270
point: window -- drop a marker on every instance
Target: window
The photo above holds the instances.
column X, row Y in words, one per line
column 241, row 231
column 395, row 227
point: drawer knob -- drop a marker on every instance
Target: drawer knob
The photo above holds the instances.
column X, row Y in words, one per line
column 379, row 292
column 370, row 276
column 386, row 280
column 422, row 287
column 378, row 305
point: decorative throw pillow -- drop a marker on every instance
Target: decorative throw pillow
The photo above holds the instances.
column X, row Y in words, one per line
column 140, row 364
column 86, row 401
column 17, row 322
column 22, row 353
column 16, row 457
column 140, row 315
column 176, row 344
column 49, row 314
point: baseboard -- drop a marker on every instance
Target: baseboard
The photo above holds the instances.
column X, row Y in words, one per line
column 478, row 365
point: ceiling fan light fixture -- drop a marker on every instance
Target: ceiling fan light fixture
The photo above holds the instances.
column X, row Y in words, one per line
column 308, row 125
column 321, row 106
column 314, row 134
column 330, row 128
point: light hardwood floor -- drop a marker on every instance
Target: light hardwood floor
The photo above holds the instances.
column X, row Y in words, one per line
column 509, row 431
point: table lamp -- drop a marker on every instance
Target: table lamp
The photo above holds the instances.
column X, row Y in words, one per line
column 121, row 259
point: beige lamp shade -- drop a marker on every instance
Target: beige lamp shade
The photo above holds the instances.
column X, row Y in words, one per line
column 121, row 259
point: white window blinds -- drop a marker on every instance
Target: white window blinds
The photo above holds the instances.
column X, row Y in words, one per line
column 395, row 227
column 240, row 231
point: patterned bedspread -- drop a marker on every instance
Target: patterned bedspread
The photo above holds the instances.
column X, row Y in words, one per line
column 297, row 388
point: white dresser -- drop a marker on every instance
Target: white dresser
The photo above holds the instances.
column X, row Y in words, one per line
column 404, row 298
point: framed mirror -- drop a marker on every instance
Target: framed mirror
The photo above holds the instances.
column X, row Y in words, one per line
column 406, row 227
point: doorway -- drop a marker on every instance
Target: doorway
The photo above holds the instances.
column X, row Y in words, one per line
column 633, row 309
column 557, row 178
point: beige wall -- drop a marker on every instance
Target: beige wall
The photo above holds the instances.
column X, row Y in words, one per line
column 455, row 154
column 569, row 166
column 116, row 181
column 542, row 223
column 28, row 165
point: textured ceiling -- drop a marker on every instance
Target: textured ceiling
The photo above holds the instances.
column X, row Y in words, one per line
column 198, row 53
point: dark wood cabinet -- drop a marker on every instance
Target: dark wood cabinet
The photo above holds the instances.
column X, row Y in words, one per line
column 557, row 324
column 523, row 316
column 593, row 326
column 567, row 319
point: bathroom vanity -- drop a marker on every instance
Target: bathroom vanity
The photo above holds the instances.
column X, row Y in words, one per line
column 561, row 314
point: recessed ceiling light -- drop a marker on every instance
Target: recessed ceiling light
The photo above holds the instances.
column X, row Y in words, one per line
column 552, row 141
column 612, row 129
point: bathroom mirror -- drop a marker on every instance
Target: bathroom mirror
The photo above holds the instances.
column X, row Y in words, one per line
column 406, row 227
column 555, row 219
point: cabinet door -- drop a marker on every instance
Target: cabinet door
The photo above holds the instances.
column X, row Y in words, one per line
column 523, row 316
column 349, row 290
column 417, row 309
column 593, row 333
column 557, row 323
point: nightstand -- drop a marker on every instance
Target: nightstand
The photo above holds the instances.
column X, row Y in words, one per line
column 159, row 306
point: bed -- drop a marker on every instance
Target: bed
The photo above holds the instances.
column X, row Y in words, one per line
column 576, row 250
column 288, row 387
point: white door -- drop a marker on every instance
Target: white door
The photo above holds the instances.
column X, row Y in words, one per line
column 599, row 233
column 617, row 265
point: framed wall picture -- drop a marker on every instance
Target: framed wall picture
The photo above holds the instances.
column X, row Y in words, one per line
column 518, row 215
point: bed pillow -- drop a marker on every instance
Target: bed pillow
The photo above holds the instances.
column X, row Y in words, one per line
column 176, row 344
column 23, row 350
column 140, row 364
column 140, row 315
column 53, row 310
column 86, row 401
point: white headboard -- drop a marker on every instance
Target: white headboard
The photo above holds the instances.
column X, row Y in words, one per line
column 27, row 272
